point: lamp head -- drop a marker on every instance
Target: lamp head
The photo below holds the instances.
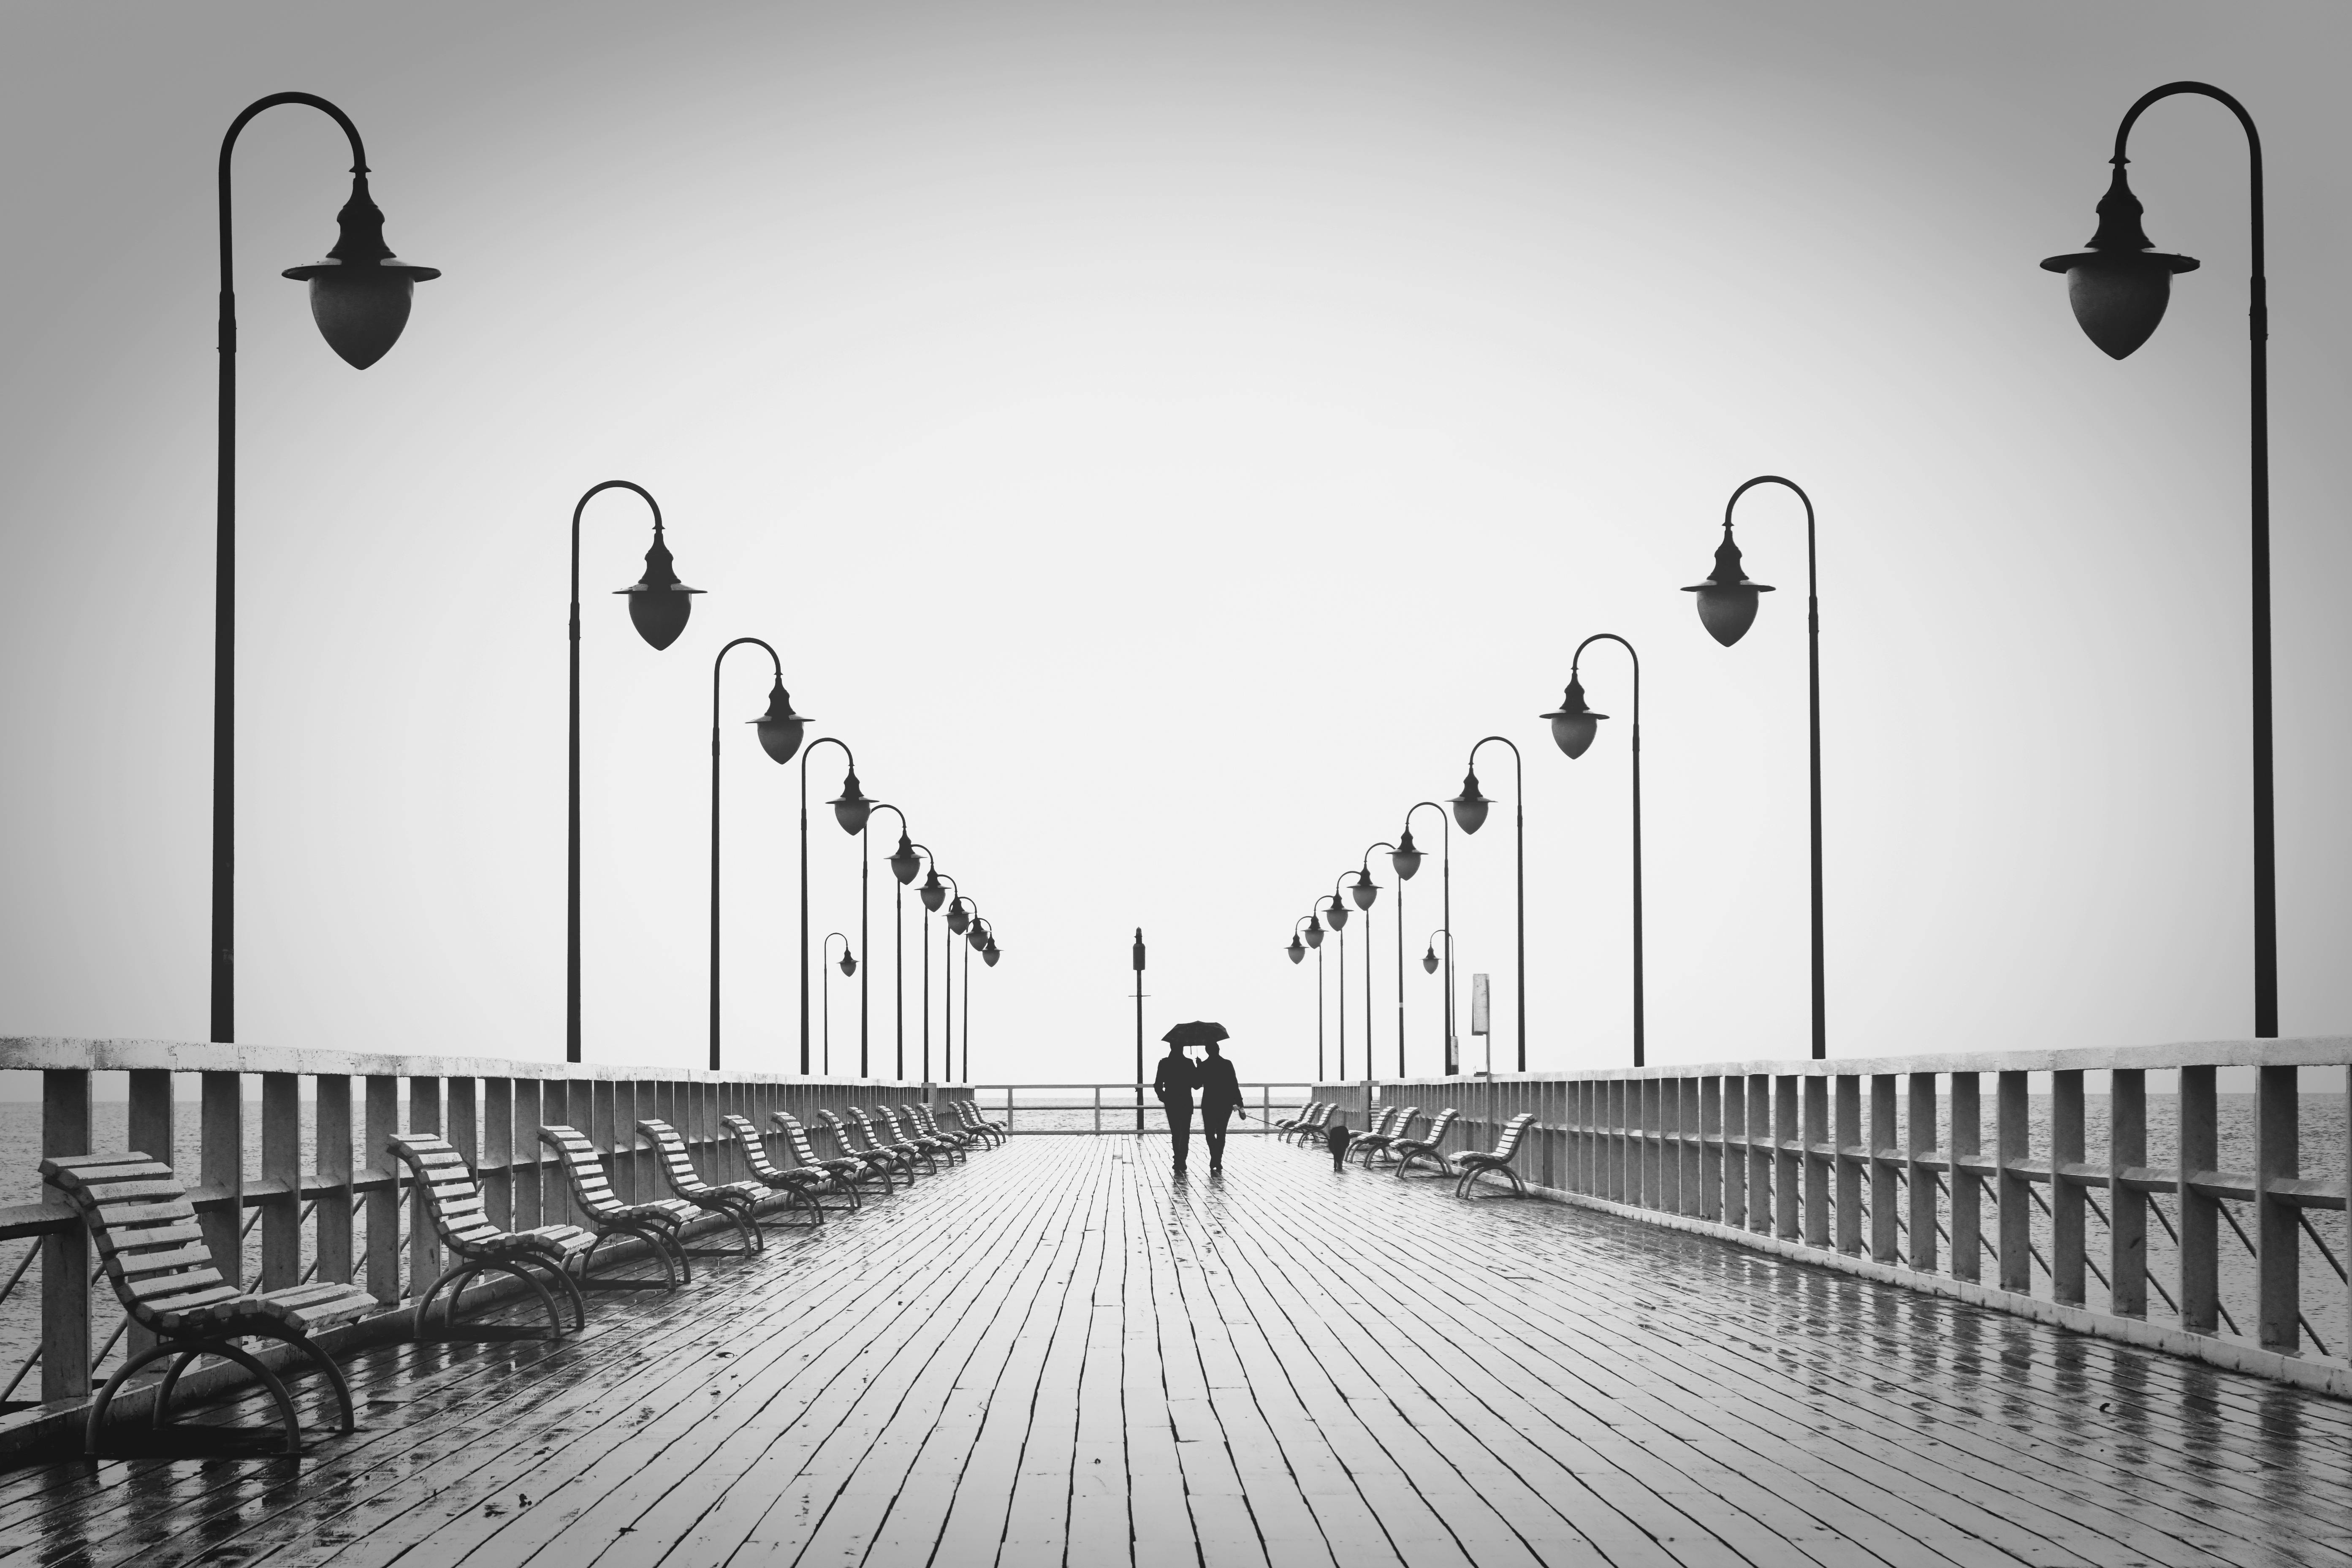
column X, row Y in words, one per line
column 360, row 293
column 1429, row 958
column 1364, row 891
column 849, row 960
column 933, row 892
column 659, row 602
column 851, row 808
column 1470, row 807
column 1404, row 858
column 1298, row 949
column 1573, row 727
column 977, row 935
column 904, row 861
column 988, row 953
column 1334, row 914
column 959, row 917
column 1314, row 932
column 1727, row 600
column 2120, row 286
column 780, row 729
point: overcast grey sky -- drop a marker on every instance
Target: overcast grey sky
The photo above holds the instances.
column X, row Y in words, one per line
column 1161, row 438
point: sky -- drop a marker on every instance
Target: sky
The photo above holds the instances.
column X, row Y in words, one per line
column 1161, row 439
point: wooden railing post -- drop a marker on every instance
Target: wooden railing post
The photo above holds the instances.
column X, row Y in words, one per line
column 1786, row 1190
column 1763, row 1159
column 1920, row 1179
column 601, row 1134
column 2127, row 1204
column 220, row 1159
column 497, row 1151
column 1655, row 1108
column 382, row 1117
column 65, row 1254
column 1710, row 1148
column 424, row 1247
column 1624, row 1170
column 1968, row 1148
column 281, row 1165
column 335, row 1166
column 529, row 1205
column 1846, row 1136
column 464, row 1120
column 1884, row 1245
column 2200, row 1213
column 2016, row 1216
column 1816, row 1163
column 1734, row 1155
column 2278, row 1286
column 2067, row 1236
column 152, row 1131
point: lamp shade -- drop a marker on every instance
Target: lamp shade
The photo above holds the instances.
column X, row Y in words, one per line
column 1727, row 600
column 1404, row 858
column 2120, row 286
column 988, row 953
column 360, row 294
column 659, row 602
column 1470, row 807
column 1314, row 932
column 1574, row 725
column 904, row 861
column 1364, row 891
column 848, row 961
column 1428, row 960
column 1298, row 949
column 1334, row 914
column 780, row 729
column 977, row 935
column 933, row 892
column 851, row 808
column 959, row 917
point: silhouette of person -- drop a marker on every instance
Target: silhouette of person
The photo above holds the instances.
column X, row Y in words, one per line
column 1220, row 1097
column 1173, row 1084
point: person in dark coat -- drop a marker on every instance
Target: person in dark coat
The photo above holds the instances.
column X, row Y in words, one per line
column 1173, row 1084
column 1220, row 1097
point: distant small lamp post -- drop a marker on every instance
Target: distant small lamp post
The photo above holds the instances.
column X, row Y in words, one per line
column 2118, row 289
column 1428, row 960
column 1406, row 859
column 1335, row 918
column 1470, row 815
column 848, row 967
column 1726, row 608
column 904, row 863
column 1314, row 939
column 358, row 299
column 850, row 809
column 1365, row 892
column 933, row 894
column 1573, row 727
column 780, row 730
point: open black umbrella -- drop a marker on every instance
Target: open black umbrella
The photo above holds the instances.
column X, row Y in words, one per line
column 1195, row 1033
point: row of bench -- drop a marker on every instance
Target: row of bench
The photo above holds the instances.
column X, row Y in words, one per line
column 1391, row 1139
column 145, row 1229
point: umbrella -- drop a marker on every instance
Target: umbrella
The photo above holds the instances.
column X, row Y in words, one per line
column 1195, row 1033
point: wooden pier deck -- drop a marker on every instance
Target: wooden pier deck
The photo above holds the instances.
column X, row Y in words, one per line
column 1051, row 1356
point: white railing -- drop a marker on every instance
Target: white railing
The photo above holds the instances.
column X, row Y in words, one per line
column 1095, row 1108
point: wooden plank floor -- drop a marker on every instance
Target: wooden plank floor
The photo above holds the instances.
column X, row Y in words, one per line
column 1052, row 1355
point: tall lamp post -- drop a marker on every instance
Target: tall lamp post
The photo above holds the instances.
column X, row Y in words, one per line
column 1298, row 953
column 848, row 967
column 780, row 730
column 981, row 939
column 658, row 607
column 904, row 862
column 933, row 894
column 1726, row 608
column 1335, row 915
column 1572, row 729
column 959, row 920
column 1470, row 814
column 850, row 810
column 359, row 298
column 2118, row 288
column 1406, row 859
column 1364, row 893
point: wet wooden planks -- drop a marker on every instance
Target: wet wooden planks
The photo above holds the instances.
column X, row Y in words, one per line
column 1054, row 1355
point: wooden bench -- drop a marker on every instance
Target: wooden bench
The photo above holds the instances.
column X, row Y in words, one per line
column 845, row 1170
column 453, row 1205
column 1427, row 1146
column 1495, row 1161
column 736, row 1202
column 1373, row 1143
column 803, row 1181
column 967, row 1112
column 656, row 1224
column 866, row 1147
column 911, row 1153
column 153, row 1252
column 1309, row 1128
column 955, row 1137
column 930, row 1148
column 1288, row 1125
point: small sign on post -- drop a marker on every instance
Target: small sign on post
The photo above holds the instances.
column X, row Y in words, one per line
column 1478, row 1018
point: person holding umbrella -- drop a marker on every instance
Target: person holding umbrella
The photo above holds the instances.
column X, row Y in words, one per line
column 1173, row 1084
column 1220, row 1097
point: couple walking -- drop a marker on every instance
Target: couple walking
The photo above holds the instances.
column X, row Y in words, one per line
column 1179, row 1081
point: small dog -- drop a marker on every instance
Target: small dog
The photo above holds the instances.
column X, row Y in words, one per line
column 1337, row 1138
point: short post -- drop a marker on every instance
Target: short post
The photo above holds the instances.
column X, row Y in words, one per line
column 381, row 1115
column 1884, row 1244
column 1920, row 1177
column 153, row 1133
column 220, row 1159
column 1816, row 1162
column 2278, row 1289
column 2016, row 1217
column 1846, row 1136
column 2067, row 1239
column 424, row 1247
column 1786, row 1187
column 530, row 1208
column 334, row 1219
column 498, row 1151
column 2201, row 1212
column 281, row 1168
column 65, row 1254
column 1656, row 1110
column 1968, row 1133
column 2126, row 1203
column 1735, row 1158
column 1763, row 1160
column 1710, row 1147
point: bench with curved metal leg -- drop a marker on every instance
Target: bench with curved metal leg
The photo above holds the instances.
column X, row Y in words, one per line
column 930, row 1148
column 656, row 1224
column 799, row 1186
column 1495, row 1161
column 1427, row 1147
column 1375, row 1143
column 453, row 1205
column 738, row 1201
column 1309, row 1127
column 967, row 1112
column 1288, row 1125
column 873, row 1156
column 845, row 1170
column 911, row 1153
column 145, row 1231
column 958, row 1144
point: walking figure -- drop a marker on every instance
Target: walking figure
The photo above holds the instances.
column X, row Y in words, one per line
column 1173, row 1084
column 1220, row 1097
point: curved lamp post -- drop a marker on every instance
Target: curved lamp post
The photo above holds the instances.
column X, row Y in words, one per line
column 933, row 895
column 849, row 809
column 2118, row 288
column 779, row 729
column 658, row 607
column 1470, row 814
column 904, row 862
column 980, row 939
column 848, row 967
column 1727, row 607
column 1406, row 859
column 1334, row 916
column 959, row 920
column 359, row 298
column 1298, row 952
column 1365, row 892
column 1572, row 729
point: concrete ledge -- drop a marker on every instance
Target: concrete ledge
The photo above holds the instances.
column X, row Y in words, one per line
column 2321, row 1376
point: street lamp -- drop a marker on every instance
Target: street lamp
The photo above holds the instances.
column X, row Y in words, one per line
column 850, row 809
column 933, row 895
column 2118, row 289
column 904, row 862
column 1727, row 607
column 1429, row 958
column 1470, row 813
column 359, row 299
column 1572, row 730
column 1407, row 859
column 848, row 967
column 1365, row 892
column 1315, row 941
column 780, row 730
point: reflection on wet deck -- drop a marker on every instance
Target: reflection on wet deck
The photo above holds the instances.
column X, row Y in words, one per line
column 1050, row 1356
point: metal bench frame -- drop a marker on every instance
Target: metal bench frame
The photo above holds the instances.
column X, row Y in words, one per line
column 1408, row 1149
column 453, row 1205
column 656, row 1224
column 1495, row 1161
column 735, row 1201
column 803, row 1183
